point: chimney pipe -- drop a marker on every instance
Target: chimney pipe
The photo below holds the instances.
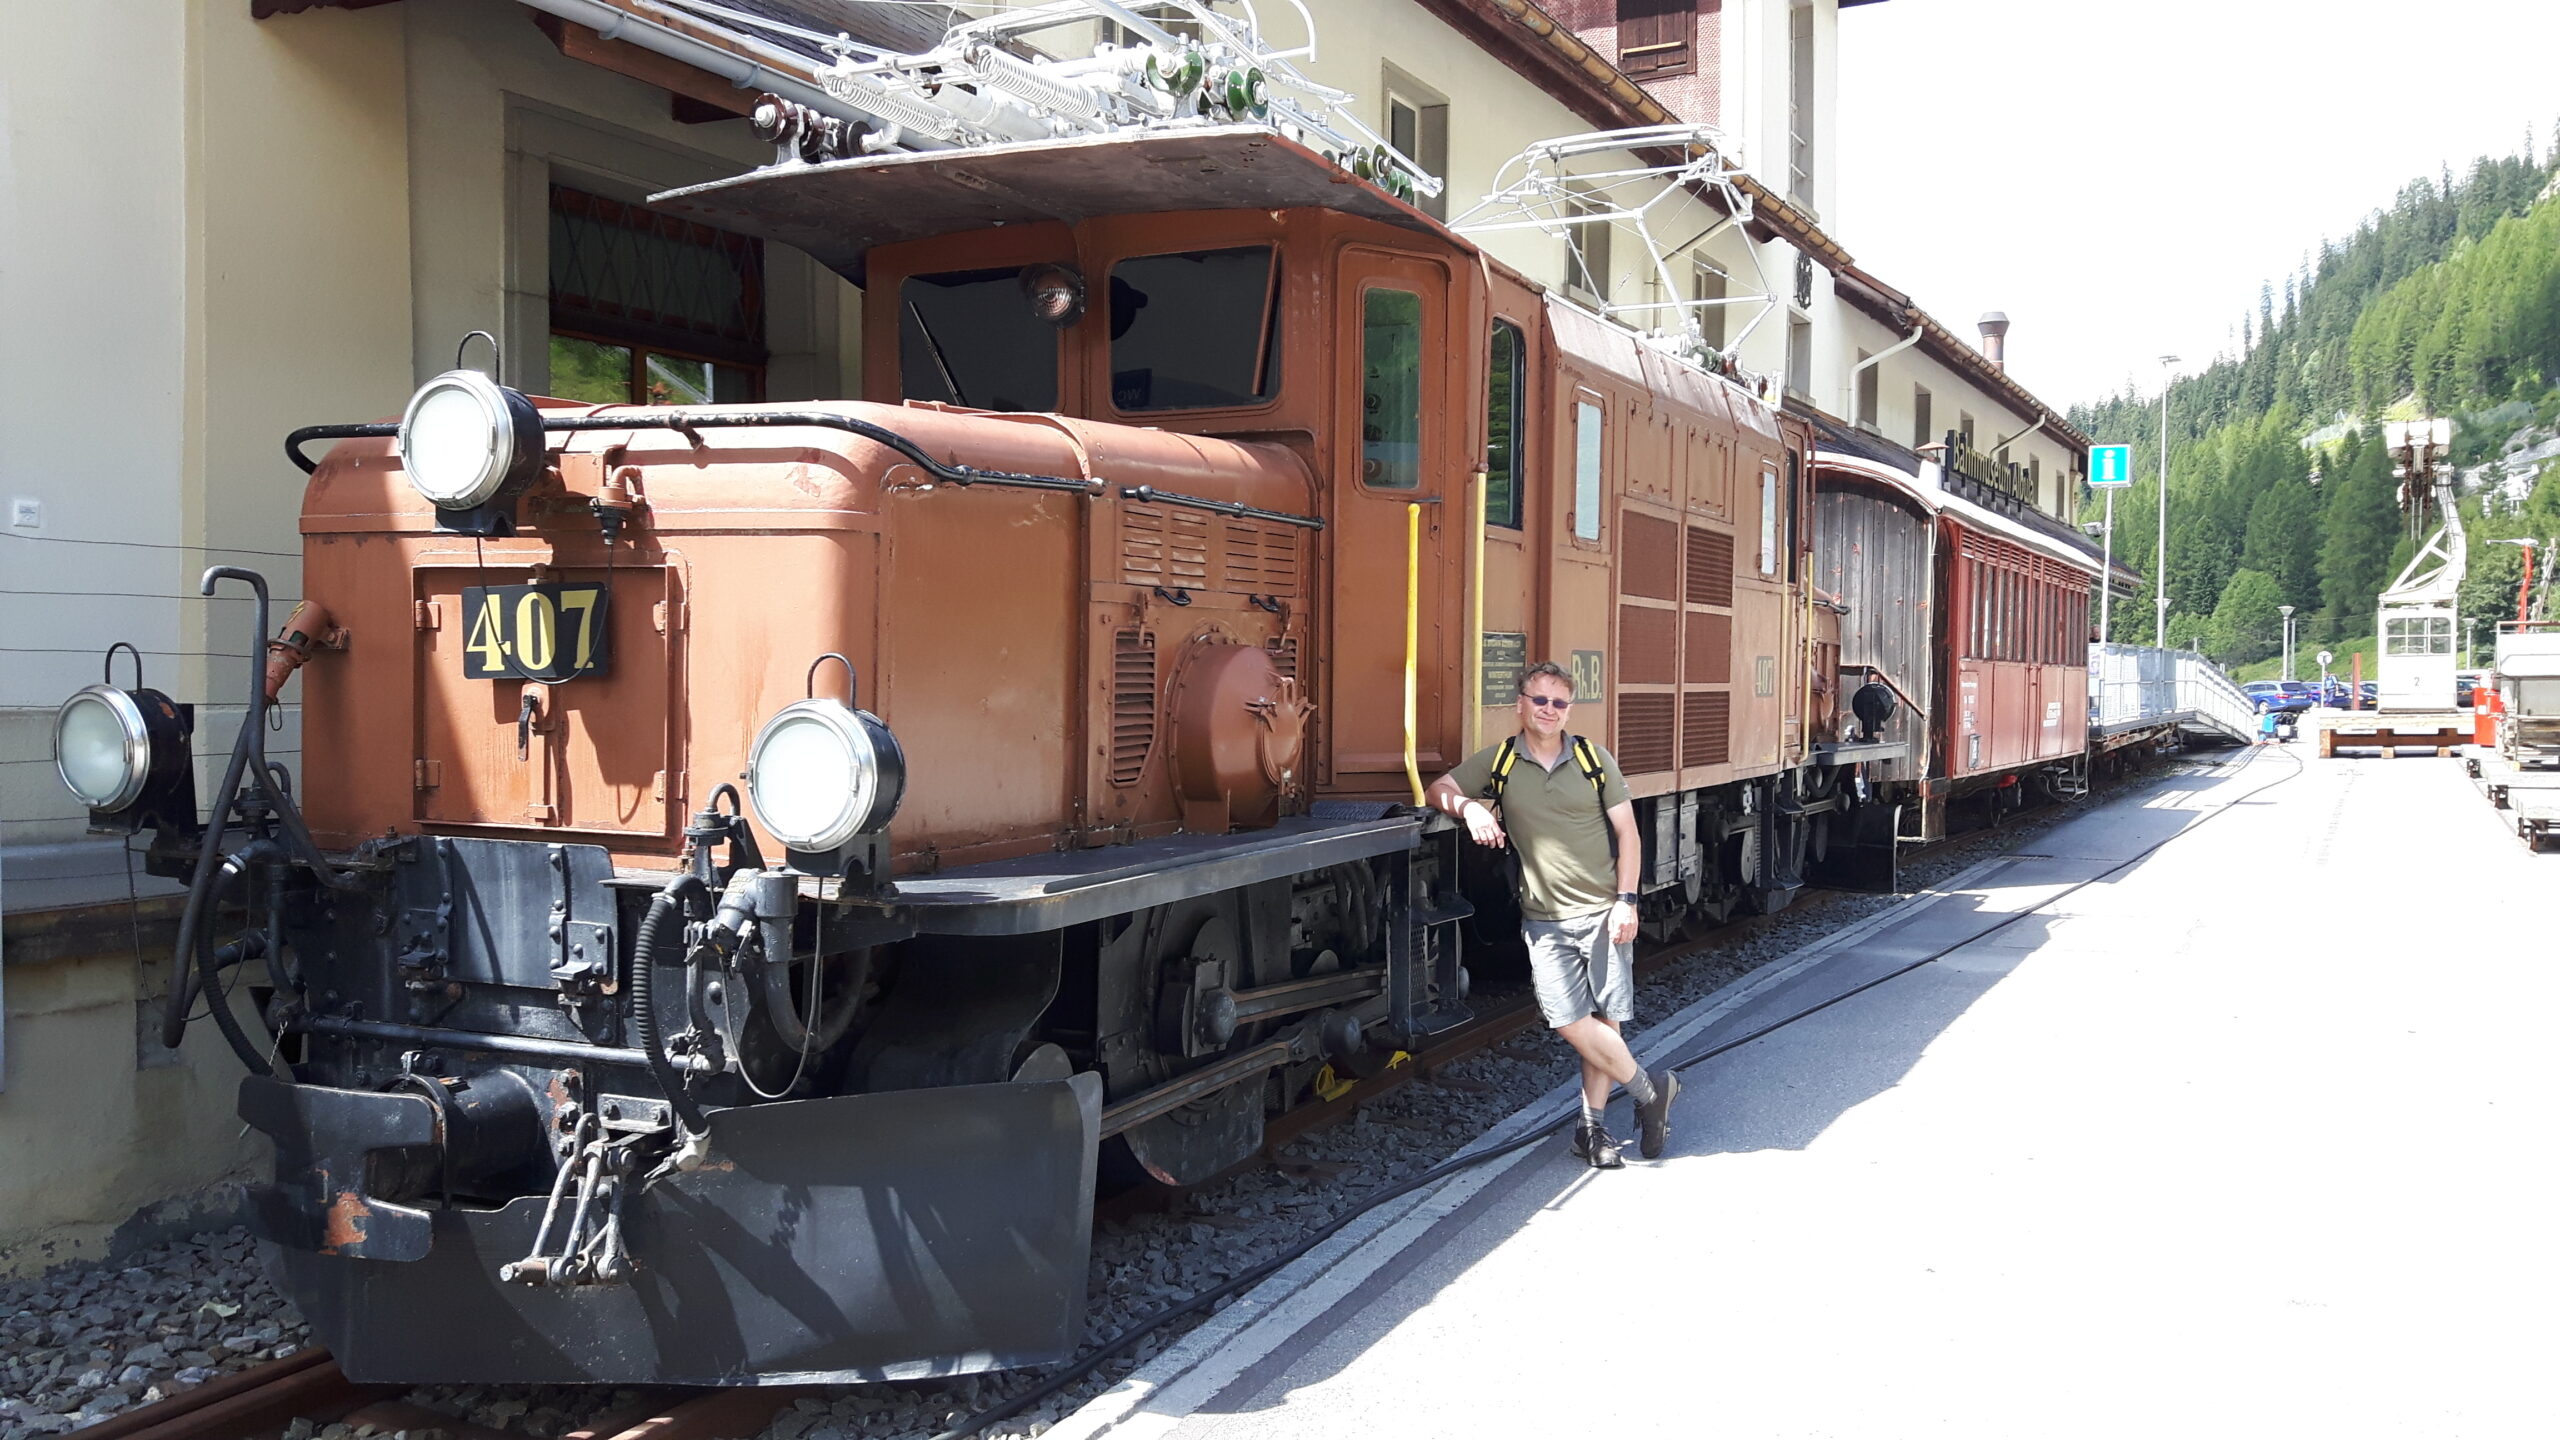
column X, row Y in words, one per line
column 1995, row 339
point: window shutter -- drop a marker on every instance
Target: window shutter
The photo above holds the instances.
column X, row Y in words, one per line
column 1655, row 37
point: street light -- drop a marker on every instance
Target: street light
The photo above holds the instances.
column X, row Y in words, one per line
column 2160, row 554
column 2287, row 612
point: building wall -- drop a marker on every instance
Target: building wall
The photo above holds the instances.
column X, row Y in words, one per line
column 1952, row 393
column 232, row 275
column 331, row 201
column 1696, row 96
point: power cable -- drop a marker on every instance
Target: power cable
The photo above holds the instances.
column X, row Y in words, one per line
column 1086, row 1364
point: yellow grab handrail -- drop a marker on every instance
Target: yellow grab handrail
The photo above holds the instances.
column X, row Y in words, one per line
column 1475, row 617
column 1412, row 644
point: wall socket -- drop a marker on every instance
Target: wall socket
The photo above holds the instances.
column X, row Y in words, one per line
column 26, row 512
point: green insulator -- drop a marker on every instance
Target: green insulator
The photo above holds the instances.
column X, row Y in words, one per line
column 1257, row 97
column 1194, row 66
column 1232, row 86
column 1360, row 165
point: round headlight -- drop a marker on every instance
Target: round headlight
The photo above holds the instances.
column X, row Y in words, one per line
column 822, row 773
column 102, row 747
column 465, row 438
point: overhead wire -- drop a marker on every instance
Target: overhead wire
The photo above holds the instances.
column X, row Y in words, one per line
column 1092, row 1360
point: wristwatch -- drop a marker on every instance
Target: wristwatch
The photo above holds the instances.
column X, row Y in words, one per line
column 1627, row 897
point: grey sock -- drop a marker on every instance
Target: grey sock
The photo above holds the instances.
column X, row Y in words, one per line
column 1639, row 1088
column 1590, row 1117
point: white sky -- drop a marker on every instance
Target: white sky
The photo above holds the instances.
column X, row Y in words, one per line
column 2120, row 178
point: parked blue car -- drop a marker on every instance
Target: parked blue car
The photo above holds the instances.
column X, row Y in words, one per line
column 2276, row 696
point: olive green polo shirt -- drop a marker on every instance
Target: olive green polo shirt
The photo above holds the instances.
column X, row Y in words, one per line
column 1559, row 827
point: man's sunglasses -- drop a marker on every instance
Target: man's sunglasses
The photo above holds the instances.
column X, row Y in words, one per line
column 1548, row 702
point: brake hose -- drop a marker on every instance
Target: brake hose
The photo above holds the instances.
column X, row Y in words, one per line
column 667, row 903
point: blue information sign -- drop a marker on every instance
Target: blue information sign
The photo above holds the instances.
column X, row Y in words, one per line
column 2110, row 466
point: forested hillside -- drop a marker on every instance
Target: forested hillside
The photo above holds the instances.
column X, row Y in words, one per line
column 2280, row 491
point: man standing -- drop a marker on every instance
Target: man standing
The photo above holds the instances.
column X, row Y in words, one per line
column 1559, row 798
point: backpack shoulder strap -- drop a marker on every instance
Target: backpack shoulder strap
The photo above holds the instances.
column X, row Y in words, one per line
column 1503, row 760
column 1592, row 770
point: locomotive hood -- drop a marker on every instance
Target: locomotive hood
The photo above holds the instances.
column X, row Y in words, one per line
column 600, row 666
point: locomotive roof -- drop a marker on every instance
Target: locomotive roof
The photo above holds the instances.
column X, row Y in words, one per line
column 838, row 210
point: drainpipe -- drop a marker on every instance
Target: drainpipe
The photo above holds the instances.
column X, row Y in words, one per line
column 2041, row 417
column 2023, row 434
column 1849, row 395
column 614, row 22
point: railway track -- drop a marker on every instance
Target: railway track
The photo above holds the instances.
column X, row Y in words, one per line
column 262, row 1400
column 307, row 1385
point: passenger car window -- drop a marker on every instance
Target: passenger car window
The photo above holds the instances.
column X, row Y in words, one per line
column 1505, row 374
column 1195, row 331
column 970, row 337
column 1391, row 389
column 1586, row 470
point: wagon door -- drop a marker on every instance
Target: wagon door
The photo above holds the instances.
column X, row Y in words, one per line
column 1394, row 447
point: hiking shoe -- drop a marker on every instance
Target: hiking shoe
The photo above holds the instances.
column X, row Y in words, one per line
column 1594, row 1146
column 1653, row 1122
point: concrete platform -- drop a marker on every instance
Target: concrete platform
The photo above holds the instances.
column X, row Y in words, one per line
column 2248, row 1136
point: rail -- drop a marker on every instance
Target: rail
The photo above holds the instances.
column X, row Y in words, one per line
column 2133, row 686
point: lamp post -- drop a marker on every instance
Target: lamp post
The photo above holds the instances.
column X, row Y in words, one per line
column 2287, row 612
column 2160, row 554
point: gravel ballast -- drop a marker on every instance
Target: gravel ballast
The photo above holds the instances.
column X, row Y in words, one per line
column 86, row 1342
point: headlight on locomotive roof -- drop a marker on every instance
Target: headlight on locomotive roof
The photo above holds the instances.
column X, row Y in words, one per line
column 465, row 440
column 822, row 773
column 109, row 743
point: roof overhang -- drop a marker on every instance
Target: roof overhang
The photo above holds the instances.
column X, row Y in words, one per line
column 838, row 211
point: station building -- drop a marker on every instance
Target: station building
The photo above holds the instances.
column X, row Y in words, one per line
column 286, row 212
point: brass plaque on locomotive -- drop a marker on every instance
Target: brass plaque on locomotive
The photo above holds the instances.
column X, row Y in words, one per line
column 534, row 632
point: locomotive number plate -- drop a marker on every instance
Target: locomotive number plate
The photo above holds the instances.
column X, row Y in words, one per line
column 534, row 632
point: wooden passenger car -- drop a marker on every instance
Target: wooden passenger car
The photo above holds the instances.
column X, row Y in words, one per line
column 1967, row 602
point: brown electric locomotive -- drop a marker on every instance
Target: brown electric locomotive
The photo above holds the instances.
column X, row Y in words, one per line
column 754, row 866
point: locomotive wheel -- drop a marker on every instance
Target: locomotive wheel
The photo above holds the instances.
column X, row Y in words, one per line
column 1216, row 1132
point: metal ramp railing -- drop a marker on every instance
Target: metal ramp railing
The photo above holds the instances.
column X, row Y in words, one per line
column 2133, row 687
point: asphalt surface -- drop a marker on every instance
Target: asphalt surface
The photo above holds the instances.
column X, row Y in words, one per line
column 2249, row 1137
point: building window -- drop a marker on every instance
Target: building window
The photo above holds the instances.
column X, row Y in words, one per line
column 1506, row 381
column 1657, row 37
column 1920, row 417
column 1799, row 356
column 1964, row 429
column 1586, row 267
column 1868, row 397
column 1171, row 21
column 1800, row 103
column 2035, row 480
column 1709, row 287
column 1418, row 128
column 1586, row 470
column 1391, row 389
column 649, row 309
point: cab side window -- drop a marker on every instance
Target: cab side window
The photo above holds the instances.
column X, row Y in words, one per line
column 1586, row 470
column 1506, row 377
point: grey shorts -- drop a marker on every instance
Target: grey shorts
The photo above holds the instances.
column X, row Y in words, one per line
column 1578, row 972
